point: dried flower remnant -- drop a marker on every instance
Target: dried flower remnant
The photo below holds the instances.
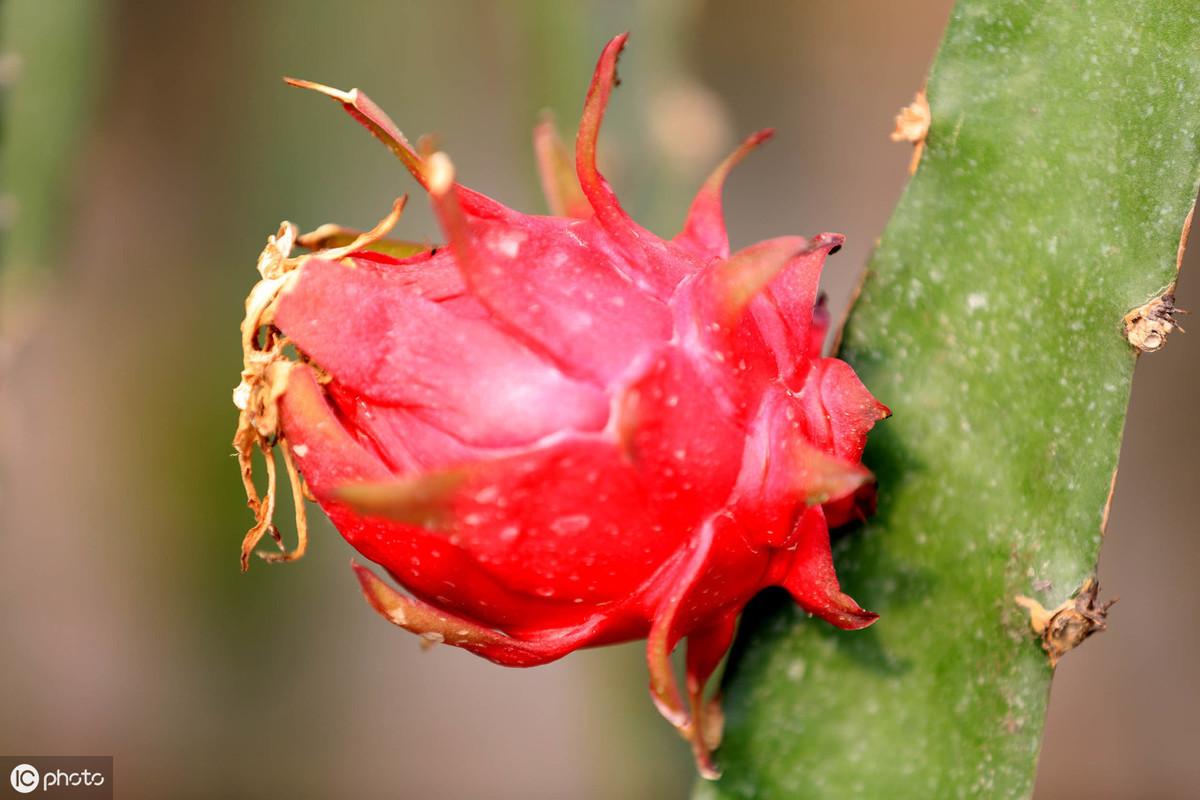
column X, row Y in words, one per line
column 912, row 125
column 561, row 431
column 1064, row 627
column 1148, row 325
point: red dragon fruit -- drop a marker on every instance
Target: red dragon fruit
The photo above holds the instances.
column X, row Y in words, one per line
column 560, row 431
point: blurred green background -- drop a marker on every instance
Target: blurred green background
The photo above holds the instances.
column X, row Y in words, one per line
column 148, row 150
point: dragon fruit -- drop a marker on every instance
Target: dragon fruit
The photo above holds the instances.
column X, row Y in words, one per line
column 560, row 431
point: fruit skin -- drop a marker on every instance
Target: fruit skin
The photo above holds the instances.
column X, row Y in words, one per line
column 561, row 432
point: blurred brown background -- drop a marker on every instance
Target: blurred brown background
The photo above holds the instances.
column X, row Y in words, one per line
column 149, row 148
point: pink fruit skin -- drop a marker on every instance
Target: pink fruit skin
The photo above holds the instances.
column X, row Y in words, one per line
column 617, row 436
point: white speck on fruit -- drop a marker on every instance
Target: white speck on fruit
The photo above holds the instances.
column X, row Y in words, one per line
column 488, row 494
column 570, row 524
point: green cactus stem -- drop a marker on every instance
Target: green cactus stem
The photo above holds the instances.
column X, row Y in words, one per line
column 1036, row 245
